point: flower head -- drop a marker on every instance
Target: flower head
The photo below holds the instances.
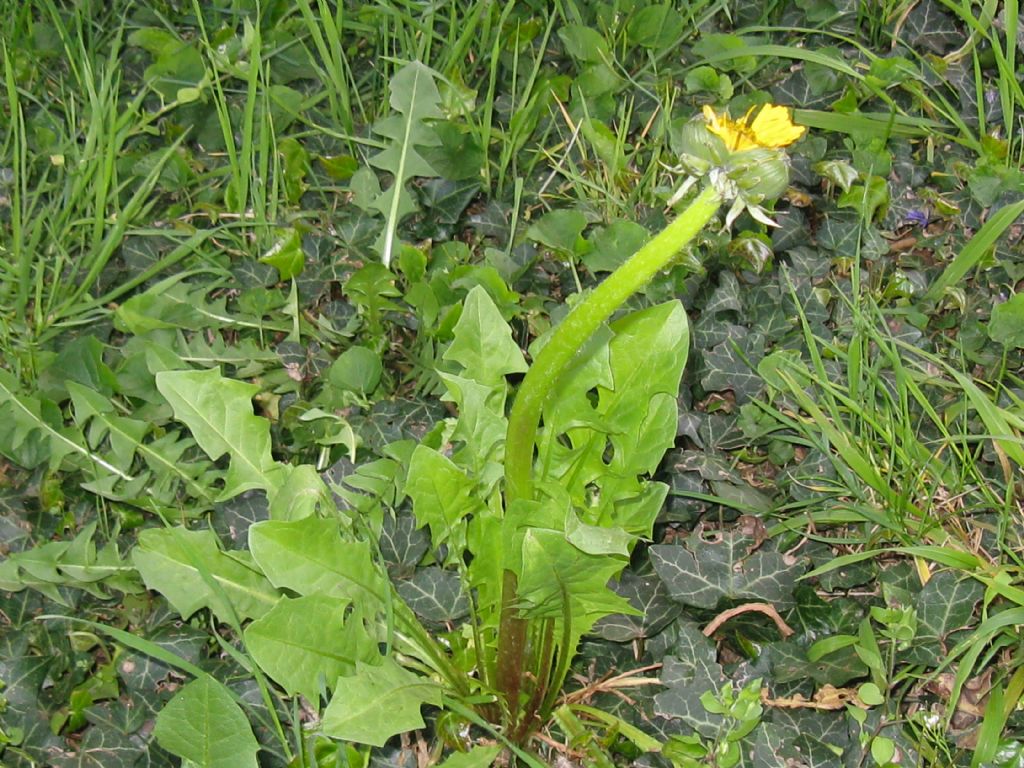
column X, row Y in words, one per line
column 742, row 159
column 770, row 127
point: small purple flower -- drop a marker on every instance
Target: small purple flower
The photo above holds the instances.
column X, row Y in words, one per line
column 918, row 218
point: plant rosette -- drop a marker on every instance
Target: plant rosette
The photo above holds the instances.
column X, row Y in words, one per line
column 743, row 161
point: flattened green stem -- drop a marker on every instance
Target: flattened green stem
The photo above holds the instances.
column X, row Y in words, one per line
column 576, row 329
column 524, row 419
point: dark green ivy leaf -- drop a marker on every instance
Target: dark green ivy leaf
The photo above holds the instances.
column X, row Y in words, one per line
column 732, row 365
column 689, row 673
column 435, row 594
column 701, row 573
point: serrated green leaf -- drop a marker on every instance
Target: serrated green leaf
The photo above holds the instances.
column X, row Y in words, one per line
column 655, row 26
column 302, row 493
column 295, row 165
column 75, row 563
column 560, row 230
column 84, row 564
column 286, row 254
column 442, row 495
column 371, row 288
column 310, row 641
column 378, row 702
column 728, row 52
column 611, row 245
column 173, row 303
column 357, row 369
column 219, row 414
column 869, row 199
column 180, row 564
column 481, row 425
column 212, row 350
column 585, row 44
column 24, row 420
column 308, row 556
column 556, row 571
column 80, row 361
column 477, row 757
column 204, row 725
column 597, row 539
column 127, row 436
column 415, row 97
column 636, row 376
column 483, row 343
column 648, row 354
column 1007, row 323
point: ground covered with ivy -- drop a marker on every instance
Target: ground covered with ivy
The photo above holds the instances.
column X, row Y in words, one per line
column 295, row 202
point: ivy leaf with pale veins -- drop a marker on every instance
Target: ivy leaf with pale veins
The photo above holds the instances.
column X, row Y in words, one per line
column 402, row 544
column 647, row 594
column 813, row 617
column 726, row 296
column 233, row 518
column 929, row 26
column 775, row 744
column 397, row 419
column 944, row 605
column 702, row 573
column 800, row 89
column 688, row 673
column 143, row 676
column 732, row 365
column 434, row 594
column 24, row 673
column 445, row 202
column 102, row 747
column 815, row 730
column 788, row 661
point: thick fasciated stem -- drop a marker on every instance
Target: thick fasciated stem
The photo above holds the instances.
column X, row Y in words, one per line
column 574, row 331
column 511, row 650
column 524, row 419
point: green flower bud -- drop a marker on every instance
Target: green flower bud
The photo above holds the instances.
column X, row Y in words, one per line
column 699, row 149
column 760, row 174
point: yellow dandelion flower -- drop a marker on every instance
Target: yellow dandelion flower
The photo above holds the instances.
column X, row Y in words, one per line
column 770, row 128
